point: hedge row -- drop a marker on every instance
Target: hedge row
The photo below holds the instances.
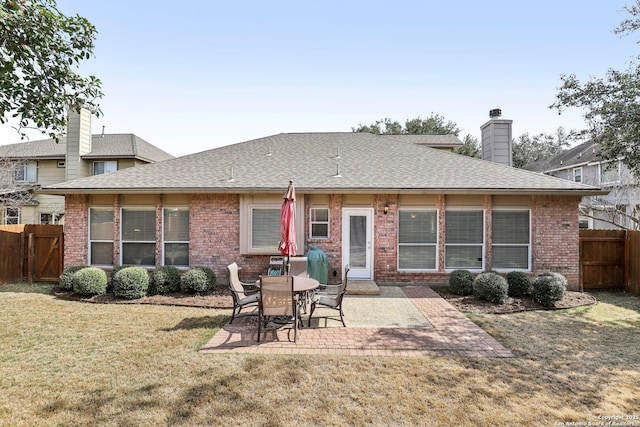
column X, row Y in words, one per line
column 133, row 282
column 546, row 289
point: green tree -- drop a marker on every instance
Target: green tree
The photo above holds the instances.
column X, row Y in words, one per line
column 529, row 149
column 470, row 147
column 435, row 124
column 40, row 50
column 611, row 104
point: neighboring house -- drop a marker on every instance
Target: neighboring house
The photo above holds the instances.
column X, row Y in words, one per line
column 27, row 166
column 396, row 208
column 620, row 208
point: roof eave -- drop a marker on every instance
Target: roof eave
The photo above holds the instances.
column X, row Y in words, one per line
column 312, row 190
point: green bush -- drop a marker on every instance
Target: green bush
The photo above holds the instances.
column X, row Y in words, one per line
column 519, row 284
column 198, row 280
column 164, row 280
column 549, row 288
column 90, row 281
column 491, row 287
column 131, row 283
column 461, row 282
column 66, row 278
column 113, row 274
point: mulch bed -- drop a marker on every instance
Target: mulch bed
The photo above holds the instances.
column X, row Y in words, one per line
column 221, row 298
column 470, row 303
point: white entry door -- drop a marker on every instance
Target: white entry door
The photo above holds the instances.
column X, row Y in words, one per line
column 357, row 242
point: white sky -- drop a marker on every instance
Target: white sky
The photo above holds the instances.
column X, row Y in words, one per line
column 196, row 75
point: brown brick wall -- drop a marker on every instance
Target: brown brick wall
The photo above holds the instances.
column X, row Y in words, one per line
column 555, row 236
column 215, row 222
column 76, row 230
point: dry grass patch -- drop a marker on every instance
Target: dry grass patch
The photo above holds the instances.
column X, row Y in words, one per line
column 72, row 363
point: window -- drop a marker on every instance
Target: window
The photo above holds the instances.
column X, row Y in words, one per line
column 511, row 239
column 577, row 175
column 138, row 236
column 319, row 223
column 100, row 236
column 27, row 172
column 176, row 236
column 609, row 172
column 417, row 239
column 464, row 239
column 265, row 229
column 11, row 216
column 104, row 167
column 50, row 218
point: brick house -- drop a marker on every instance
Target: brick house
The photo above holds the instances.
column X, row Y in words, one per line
column 396, row 208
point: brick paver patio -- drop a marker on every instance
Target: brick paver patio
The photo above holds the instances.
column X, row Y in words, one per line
column 452, row 335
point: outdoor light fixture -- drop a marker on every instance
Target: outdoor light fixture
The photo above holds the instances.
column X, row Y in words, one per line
column 386, row 208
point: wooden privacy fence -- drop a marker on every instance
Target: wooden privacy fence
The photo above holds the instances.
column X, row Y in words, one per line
column 30, row 251
column 610, row 260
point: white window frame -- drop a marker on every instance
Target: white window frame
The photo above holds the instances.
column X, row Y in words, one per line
column 248, row 204
column 528, row 245
column 165, row 242
column 312, row 223
column 11, row 219
column 123, row 241
column 26, row 172
column 108, row 166
column 55, row 217
column 90, row 241
column 601, row 170
column 435, row 244
column 482, row 245
column 577, row 174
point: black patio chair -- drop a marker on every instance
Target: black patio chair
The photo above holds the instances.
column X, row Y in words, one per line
column 332, row 299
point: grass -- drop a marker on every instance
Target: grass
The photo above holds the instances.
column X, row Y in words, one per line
column 71, row 363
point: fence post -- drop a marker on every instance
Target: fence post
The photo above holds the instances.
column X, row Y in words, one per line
column 31, row 258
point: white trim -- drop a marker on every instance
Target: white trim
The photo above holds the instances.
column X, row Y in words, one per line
column 122, row 241
column 482, row 245
column 366, row 273
column 529, row 245
column 312, row 222
column 436, row 244
column 89, row 241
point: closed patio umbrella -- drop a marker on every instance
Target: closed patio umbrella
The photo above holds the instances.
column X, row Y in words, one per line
column 287, row 246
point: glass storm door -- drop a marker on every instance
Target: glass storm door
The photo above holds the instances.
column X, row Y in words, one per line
column 357, row 243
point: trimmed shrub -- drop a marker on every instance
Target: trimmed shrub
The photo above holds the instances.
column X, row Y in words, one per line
column 66, row 278
column 519, row 284
column 491, row 287
column 164, row 280
column 131, row 283
column 113, row 274
column 90, row 281
column 198, row 280
column 461, row 282
column 549, row 288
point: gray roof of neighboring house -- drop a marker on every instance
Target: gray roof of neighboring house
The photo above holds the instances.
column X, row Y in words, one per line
column 325, row 162
column 121, row 145
column 584, row 153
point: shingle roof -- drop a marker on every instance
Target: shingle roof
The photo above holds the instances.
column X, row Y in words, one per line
column 124, row 145
column 324, row 162
column 579, row 155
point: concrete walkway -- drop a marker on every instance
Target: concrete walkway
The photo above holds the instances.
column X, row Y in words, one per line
column 401, row 331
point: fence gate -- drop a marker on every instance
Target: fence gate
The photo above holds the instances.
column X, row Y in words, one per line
column 603, row 259
column 39, row 256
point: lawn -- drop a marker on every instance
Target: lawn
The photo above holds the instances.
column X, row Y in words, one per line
column 73, row 363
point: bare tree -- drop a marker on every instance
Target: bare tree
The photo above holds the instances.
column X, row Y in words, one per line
column 16, row 189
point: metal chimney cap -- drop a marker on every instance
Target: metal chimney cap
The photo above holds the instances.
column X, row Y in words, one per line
column 496, row 112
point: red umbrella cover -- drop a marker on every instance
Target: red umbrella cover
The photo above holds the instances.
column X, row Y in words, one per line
column 287, row 245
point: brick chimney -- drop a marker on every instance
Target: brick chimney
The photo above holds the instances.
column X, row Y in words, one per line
column 497, row 142
column 78, row 144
